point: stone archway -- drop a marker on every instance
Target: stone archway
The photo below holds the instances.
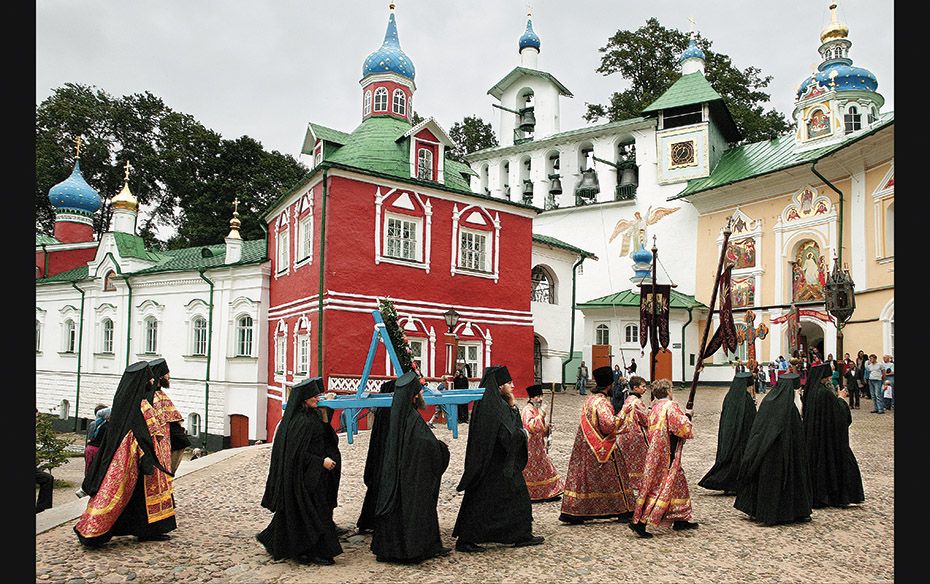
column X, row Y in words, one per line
column 811, row 336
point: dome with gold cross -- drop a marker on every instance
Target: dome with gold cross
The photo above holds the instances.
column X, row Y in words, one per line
column 74, row 194
column 125, row 199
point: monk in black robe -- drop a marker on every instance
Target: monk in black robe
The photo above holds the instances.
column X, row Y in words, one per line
column 736, row 418
column 372, row 476
column 774, row 484
column 303, row 481
column 407, row 529
column 834, row 471
column 496, row 506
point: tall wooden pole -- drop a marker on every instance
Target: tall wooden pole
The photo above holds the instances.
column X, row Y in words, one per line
column 713, row 302
column 653, row 329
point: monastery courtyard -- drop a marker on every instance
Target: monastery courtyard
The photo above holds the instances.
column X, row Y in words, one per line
column 219, row 515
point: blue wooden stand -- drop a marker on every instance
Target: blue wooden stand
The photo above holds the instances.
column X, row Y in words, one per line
column 353, row 405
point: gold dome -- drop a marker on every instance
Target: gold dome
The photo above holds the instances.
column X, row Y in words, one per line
column 125, row 199
column 234, row 223
column 834, row 30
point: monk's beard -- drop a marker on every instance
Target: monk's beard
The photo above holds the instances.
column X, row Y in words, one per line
column 508, row 397
column 418, row 402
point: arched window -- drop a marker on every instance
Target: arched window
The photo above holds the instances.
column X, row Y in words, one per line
column 280, row 348
column 150, row 326
column 64, row 410
column 283, row 249
column 108, row 285
column 838, row 53
column 543, row 289
column 367, row 102
column 537, row 359
column 424, row 164
column 303, row 349
column 199, row 346
column 852, row 119
column 70, row 336
column 106, row 339
column 631, row 333
column 602, row 335
column 400, row 102
column 381, row 99
column 38, row 336
column 193, row 425
column 244, row 336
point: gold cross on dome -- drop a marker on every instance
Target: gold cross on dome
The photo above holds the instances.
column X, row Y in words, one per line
column 126, row 176
column 236, row 205
column 529, row 9
column 77, row 142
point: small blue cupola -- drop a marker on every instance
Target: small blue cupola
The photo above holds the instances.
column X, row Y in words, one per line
column 389, row 58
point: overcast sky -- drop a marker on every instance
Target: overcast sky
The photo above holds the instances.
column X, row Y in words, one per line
column 266, row 67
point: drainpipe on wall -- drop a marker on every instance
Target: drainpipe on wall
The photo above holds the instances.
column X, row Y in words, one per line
column 684, row 376
column 571, row 346
column 319, row 316
column 265, row 231
column 128, row 319
column 45, row 259
column 206, row 396
column 77, row 398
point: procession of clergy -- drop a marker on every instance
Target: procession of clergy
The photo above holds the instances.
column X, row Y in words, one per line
column 624, row 465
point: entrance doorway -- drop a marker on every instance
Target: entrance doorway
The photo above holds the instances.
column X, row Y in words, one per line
column 238, row 430
column 537, row 359
column 600, row 356
column 811, row 337
column 663, row 365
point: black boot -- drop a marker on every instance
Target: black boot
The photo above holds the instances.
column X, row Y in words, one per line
column 680, row 525
column 468, row 547
column 640, row 530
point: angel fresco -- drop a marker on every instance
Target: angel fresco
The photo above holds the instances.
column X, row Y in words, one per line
column 809, row 274
column 633, row 232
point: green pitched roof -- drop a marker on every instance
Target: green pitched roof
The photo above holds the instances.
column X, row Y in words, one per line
column 43, row 239
column 760, row 158
column 498, row 89
column 70, row 276
column 630, row 298
column 132, row 246
column 329, row 134
column 688, row 90
column 545, row 239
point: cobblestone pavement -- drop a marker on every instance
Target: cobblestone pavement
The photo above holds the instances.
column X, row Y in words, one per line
column 219, row 515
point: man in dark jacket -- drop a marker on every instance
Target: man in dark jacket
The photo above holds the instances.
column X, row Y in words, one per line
column 496, row 506
column 407, row 524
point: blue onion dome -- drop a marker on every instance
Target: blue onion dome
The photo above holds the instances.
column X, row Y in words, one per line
column 389, row 58
column 843, row 77
column 641, row 256
column 74, row 194
column 529, row 38
column 691, row 51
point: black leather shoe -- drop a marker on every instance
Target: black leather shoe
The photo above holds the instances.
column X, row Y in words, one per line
column 443, row 551
column 468, row 547
column 640, row 530
column 154, row 537
column 535, row 540
column 625, row 517
column 681, row 525
column 570, row 519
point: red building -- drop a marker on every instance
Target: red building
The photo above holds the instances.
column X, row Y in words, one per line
column 384, row 213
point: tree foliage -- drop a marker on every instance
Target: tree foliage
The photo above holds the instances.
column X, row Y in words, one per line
column 50, row 449
column 398, row 338
column 648, row 58
column 183, row 174
column 470, row 135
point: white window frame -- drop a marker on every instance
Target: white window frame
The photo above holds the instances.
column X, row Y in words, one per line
column 201, row 332
column 318, row 153
column 150, row 335
column 852, row 117
column 70, row 336
column 367, row 107
column 422, row 344
column 380, row 97
column 304, row 239
column 107, row 336
column 411, row 201
column 280, row 350
column 548, row 280
column 302, row 347
column 601, row 328
column 241, row 330
column 626, row 333
column 417, row 223
column 399, row 102
column 38, row 336
column 425, row 162
column 479, row 216
column 474, row 233
column 282, row 251
column 193, row 425
column 477, row 369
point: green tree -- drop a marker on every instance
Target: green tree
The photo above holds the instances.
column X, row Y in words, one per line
column 470, row 135
column 398, row 338
column 50, row 449
column 648, row 58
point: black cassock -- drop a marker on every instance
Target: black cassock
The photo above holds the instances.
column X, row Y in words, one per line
column 300, row 491
column 496, row 506
column 834, row 471
column 407, row 528
column 372, row 476
column 736, row 418
column 774, row 484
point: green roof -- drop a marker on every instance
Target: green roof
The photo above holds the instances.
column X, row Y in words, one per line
column 43, row 239
column 329, row 134
column 630, row 298
column 760, row 158
column 536, row 144
column 545, row 239
column 132, row 246
column 688, row 90
column 70, row 276
column 502, row 85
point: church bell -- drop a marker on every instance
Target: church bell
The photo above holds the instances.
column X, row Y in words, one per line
column 555, row 186
column 527, row 120
column 629, row 178
column 528, row 192
column 588, row 187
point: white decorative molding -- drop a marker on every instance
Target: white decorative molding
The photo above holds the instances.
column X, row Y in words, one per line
column 884, row 190
column 197, row 306
column 476, row 218
column 105, row 308
column 403, row 202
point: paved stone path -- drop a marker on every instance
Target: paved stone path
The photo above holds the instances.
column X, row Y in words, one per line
column 219, row 515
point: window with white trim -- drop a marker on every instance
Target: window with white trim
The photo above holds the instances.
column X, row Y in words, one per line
column 424, row 164
column 244, row 330
column 543, row 289
column 631, row 333
column 471, row 354
column 304, row 238
column 38, row 336
column 302, row 347
column 193, row 425
column 318, row 153
column 889, row 230
column 473, row 250
column 852, row 119
column 602, row 335
column 280, row 347
column 199, row 339
column 400, row 102
column 367, row 102
column 150, row 335
column 106, row 337
column 70, row 336
column 282, row 250
column 381, row 99
column 417, row 353
column 401, row 238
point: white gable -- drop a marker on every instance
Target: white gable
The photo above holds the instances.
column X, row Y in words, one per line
column 403, row 202
column 476, row 218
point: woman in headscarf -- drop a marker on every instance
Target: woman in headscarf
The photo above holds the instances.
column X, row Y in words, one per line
column 496, row 506
column 407, row 524
column 133, row 458
column 774, row 483
column 736, row 418
column 95, row 436
column 303, row 482
column 372, row 476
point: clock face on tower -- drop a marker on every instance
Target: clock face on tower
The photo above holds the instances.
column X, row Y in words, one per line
column 682, row 153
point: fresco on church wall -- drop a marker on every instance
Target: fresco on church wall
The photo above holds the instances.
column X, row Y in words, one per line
column 818, row 125
column 745, row 252
column 809, row 273
column 743, row 291
column 806, row 203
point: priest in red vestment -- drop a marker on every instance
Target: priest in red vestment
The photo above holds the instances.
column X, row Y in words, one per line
column 664, row 498
column 542, row 480
column 597, row 485
column 634, row 430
